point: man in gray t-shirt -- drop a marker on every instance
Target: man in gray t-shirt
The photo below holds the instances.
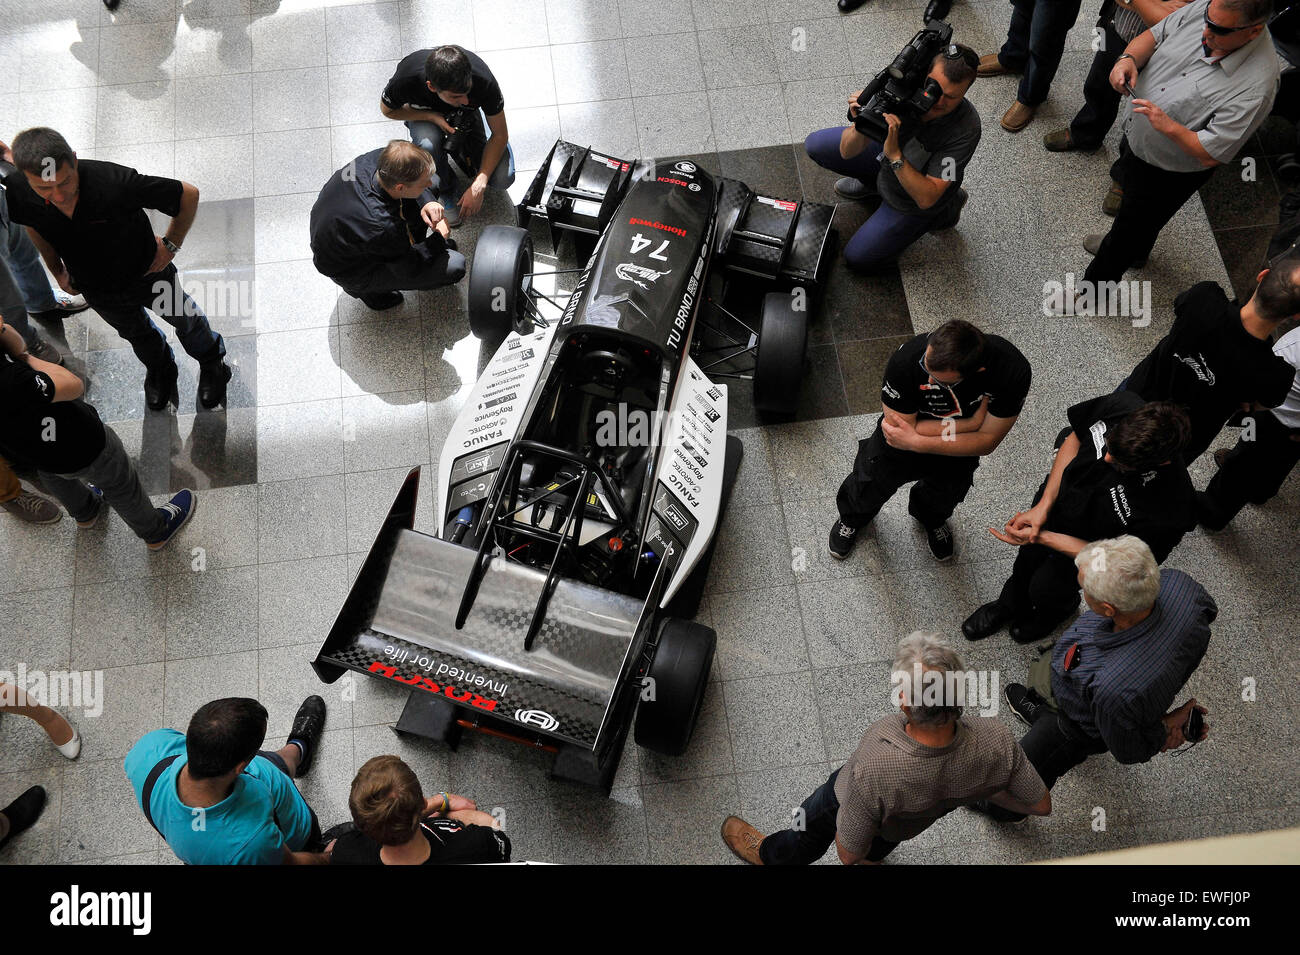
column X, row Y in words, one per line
column 910, row 769
column 916, row 172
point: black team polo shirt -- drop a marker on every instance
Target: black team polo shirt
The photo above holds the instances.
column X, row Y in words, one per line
column 1211, row 365
column 409, row 88
column 1098, row 501
column 35, row 430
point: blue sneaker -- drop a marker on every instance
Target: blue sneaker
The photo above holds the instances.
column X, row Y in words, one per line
column 99, row 507
column 450, row 211
column 175, row 512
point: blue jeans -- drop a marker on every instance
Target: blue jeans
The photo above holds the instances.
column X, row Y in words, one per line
column 1036, row 42
column 161, row 293
column 808, row 843
column 430, row 138
column 882, row 238
column 24, row 286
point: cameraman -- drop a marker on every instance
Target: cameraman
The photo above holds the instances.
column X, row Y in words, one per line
column 917, row 173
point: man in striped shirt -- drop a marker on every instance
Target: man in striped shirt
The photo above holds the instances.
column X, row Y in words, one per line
column 1114, row 674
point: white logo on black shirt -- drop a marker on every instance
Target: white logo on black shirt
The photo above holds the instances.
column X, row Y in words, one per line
column 1199, row 366
column 1098, row 432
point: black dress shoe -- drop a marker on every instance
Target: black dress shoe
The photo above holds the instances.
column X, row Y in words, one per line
column 848, row 6
column 213, row 376
column 160, row 387
column 986, row 621
column 308, row 725
column 23, row 812
column 380, row 301
column 1030, row 631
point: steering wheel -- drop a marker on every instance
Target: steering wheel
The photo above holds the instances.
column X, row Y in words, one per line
column 603, row 365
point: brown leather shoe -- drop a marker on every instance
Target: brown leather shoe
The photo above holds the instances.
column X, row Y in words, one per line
column 1114, row 198
column 742, row 839
column 1017, row 117
column 990, row 65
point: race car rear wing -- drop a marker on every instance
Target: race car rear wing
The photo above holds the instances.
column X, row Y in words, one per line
column 399, row 624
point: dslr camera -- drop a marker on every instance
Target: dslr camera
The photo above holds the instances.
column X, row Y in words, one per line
column 905, row 87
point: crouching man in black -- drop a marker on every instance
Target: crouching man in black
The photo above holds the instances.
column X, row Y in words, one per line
column 376, row 228
column 1118, row 470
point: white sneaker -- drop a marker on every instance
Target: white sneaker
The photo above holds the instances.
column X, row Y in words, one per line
column 68, row 303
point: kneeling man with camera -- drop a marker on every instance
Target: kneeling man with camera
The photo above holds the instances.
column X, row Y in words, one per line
column 909, row 145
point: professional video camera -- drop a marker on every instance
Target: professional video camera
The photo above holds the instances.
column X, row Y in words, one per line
column 904, row 88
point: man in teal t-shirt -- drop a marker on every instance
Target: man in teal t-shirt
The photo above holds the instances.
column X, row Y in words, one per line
column 218, row 799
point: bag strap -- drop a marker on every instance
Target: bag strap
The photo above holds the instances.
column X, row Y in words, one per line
column 150, row 781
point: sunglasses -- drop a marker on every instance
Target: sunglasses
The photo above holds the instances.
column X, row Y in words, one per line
column 935, row 381
column 1223, row 31
column 955, row 51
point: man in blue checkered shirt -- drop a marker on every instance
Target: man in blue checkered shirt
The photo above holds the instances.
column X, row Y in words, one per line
column 1111, row 679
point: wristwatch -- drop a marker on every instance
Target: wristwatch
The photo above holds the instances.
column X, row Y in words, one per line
column 896, row 164
column 170, row 246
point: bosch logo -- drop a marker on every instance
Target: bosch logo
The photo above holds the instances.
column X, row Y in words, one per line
column 685, row 166
column 694, row 187
column 539, row 718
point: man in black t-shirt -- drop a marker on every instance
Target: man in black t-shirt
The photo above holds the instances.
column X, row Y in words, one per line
column 376, row 228
column 917, row 171
column 88, row 220
column 80, row 460
column 396, row 825
column 949, row 398
column 1218, row 357
column 1118, row 470
column 449, row 99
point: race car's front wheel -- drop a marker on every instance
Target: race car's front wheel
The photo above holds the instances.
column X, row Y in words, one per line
column 498, row 298
column 674, row 689
column 778, row 362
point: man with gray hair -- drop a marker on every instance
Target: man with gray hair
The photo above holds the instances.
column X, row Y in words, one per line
column 911, row 768
column 1110, row 680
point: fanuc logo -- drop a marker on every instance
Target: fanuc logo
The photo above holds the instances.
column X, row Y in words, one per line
column 539, row 718
column 77, row 908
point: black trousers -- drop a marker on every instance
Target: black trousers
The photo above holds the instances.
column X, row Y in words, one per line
column 1252, row 472
column 1054, row 745
column 942, row 481
column 814, row 832
column 1151, row 197
column 1100, row 101
column 429, row 266
column 1044, row 584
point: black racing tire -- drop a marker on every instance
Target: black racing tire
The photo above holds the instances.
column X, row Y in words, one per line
column 778, row 361
column 497, row 297
column 680, row 671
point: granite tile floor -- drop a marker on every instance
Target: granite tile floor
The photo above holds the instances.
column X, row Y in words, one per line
column 256, row 101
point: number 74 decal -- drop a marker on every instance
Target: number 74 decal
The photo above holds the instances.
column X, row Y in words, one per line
column 640, row 243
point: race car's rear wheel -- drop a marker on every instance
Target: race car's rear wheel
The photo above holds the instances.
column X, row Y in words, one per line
column 778, row 362
column 498, row 297
column 679, row 673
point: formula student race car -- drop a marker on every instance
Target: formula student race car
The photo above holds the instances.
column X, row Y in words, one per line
column 582, row 484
